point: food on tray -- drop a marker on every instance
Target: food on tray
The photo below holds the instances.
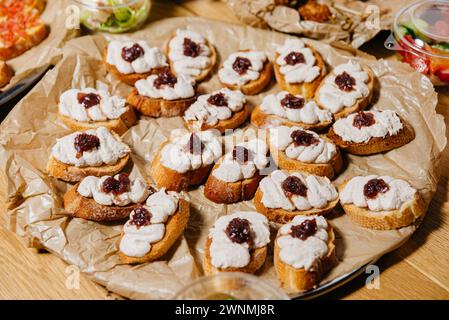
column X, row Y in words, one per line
column 6, row 74
column 247, row 71
column 347, row 89
column 83, row 109
column 370, row 132
column 131, row 61
column 191, row 54
column 186, row 159
column 106, row 198
column 236, row 176
column 222, row 109
column 304, row 250
column 237, row 242
column 154, row 227
column 163, row 94
column 20, row 27
column 313, row 10
column 283, row 195
column 114, row 16
column 298, row 67
column 95, row 152
column 286, row 109
column 297, row 149
column 381, row 202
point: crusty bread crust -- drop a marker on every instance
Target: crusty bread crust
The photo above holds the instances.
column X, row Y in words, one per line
column 35, row 35
column 174, row 228
column 119, row 126
column 237, row 119
column 6, row 74
column 87, row 208
column 386, row 220
column 257, row 260
column 360, row 104
column 297, row 280
column 264, row 120
column 203, row 75
column 254, row 86
column 377, row 144
column 282, row 216
column 71, row 173
column 172, row 180
column 159, row 107
column 330, row 169
column 230, row 192
column 306, row 89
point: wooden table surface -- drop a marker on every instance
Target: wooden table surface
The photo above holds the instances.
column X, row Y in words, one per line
column 417, row 270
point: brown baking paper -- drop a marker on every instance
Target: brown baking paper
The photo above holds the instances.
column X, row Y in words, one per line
column 354, row 22
column 49, row 51
column 36, row 212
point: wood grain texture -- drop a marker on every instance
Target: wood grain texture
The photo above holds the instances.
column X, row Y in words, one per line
column 417, row 270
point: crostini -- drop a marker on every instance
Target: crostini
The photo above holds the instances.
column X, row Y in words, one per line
column 237, row 243
column 283, row 195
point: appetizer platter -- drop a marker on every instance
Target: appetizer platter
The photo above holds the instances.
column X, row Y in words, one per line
column 161, row 156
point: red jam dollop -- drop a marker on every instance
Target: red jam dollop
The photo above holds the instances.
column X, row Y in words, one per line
column 292, row 102
column 375, row 186
column 363, row 119
column 165, row 78
column 141, row 217
column 238, row 230
column 85, row 142
column 88, row 100
column 304, row 230
column 132, row 53
column 218, row 100
column 294, row 186
column 303, row 138
column 294, row 57
column 195, row 145
column 241, row 65
column 116, row 186
column 191, row 49
column 345, row 82
column 240, row 154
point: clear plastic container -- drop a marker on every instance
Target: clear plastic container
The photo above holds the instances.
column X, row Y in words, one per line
column 420, row 35
column 230, row 286
column 114, row 16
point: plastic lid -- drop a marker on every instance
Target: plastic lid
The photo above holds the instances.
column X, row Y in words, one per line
column 424, row 27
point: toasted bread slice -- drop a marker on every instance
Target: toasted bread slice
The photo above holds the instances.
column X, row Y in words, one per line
column 207, row 71
column 230, row 192
column 377, row 144
column 119, row 126
column 30, row 37
column 6, row 74
column 174, row 228
column 360, row 104
column 305, row 89
column 297, row 280
column 386, row 220
column 257, row 260
column 71, row 173
column 237, row 119
column 87, row 208
column 282, row 216
column 255, row 86
column 264, row 120
column 159, row 107
column 172, row 180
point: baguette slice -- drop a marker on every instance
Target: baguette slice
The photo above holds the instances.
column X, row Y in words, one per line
column 282, row 216
column 263, row 120
column 71, row 173
column 119, row 126
column 376, row 144
column 174, row 228
column 257, row 260
column 87, row 208
column 306, row 89
column 159, row 107
column 6, row 74
column 237, row 119
column 360, row 104
column 297, row 280
column 207, row 71
column 174, row 181
column 22, row 42
column 254, row 86
column 387, row 220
